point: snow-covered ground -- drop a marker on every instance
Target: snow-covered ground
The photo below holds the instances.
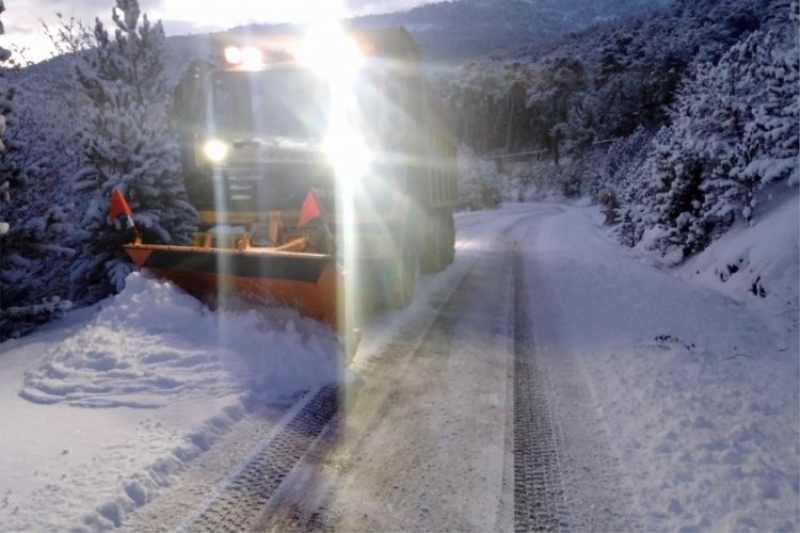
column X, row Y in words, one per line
column 103, row 408
column 693, row 377
column 696, row 384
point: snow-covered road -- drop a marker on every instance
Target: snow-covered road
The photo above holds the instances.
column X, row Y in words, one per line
column 667, row 405
column 547, row 379
column 425, row 444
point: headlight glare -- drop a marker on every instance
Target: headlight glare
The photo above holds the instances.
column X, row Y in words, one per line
column 233, row 55
column 215, row 150
column 252, row 58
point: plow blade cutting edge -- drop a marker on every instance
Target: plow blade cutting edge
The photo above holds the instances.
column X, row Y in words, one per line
column 306, row 282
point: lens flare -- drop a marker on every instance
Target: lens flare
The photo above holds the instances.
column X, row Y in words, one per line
column 326, row 50
column 233, row 55
column 348, row 154
column 252, row 58
column 215, row 150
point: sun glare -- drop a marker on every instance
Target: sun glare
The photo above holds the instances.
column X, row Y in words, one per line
column 334, row 56
column 207, row 13
column 326, row 50
column 179, row 17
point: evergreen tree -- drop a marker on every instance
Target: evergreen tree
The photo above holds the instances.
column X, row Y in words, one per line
column 37, row 250
column 127, row 145
column 734, row 129
column 28, row 225
column 555, row 92
column 5, row 109
column 4, row 53
column 769, row 145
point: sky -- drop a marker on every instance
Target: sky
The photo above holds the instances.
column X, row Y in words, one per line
column 23, row 20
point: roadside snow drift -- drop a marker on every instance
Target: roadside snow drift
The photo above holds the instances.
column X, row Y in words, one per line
column 152, row 342
column 112, row 406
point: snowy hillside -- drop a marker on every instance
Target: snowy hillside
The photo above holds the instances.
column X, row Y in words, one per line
column 677, row 124
column 758, row 264
column 452, row 31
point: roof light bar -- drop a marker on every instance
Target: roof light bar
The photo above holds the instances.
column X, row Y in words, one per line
column 249, row 57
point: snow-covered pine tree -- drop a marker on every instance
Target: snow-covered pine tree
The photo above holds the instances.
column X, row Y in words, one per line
column 34, row 166
column 691, row 196
column 674, row 194
column 721, row 107
column 127, row 145
column 37, row 250
column 5, row 108
column 20, row 159
column 748, row 134
column 734, row 129
column 623, row 158
column 768, row 150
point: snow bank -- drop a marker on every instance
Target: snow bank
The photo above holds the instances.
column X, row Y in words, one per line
column 102, row 410
column 152, row 342
column 759, row 265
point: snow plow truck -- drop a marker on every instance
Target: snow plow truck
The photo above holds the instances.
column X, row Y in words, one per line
column 322, row 169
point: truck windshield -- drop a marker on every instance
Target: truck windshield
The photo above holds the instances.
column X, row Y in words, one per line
column 285, row 102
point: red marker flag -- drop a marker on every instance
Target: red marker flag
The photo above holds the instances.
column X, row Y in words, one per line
column 119, row 207
column 310, row 209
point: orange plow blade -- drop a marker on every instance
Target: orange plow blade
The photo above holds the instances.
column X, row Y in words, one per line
column 303, row 281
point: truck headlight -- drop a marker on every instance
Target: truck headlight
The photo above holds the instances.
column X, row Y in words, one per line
column 215, row 150
column 233, row 55
column 249, row 57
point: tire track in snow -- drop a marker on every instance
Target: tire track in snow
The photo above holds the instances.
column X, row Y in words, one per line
column 539, row 503
column 310, row 507
column 595, row 489
column 236, row 505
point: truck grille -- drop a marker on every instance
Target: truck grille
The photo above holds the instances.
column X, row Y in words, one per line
column 280, row 187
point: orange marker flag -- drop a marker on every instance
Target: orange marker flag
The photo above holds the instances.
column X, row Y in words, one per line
column 310, row 209
column 119, row 207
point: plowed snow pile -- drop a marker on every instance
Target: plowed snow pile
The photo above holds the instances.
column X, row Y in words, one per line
column 108, row 404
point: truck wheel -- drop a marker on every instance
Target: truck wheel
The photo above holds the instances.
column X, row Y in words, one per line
column 448, row 247
column 400, row 278
column 433, row 260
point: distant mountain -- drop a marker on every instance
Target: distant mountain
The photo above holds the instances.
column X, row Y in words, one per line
column 450, row 32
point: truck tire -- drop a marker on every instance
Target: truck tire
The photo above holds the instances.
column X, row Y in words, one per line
column 400, row 278
column 433, row 260
column 448, row 249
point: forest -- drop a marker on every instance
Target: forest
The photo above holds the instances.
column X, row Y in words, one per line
column 674, row 123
